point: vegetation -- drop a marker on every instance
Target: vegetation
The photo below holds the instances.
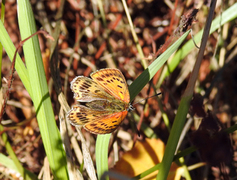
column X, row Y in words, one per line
column 186, row 132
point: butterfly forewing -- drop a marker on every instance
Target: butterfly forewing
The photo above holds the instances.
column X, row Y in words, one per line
column 86, row 90
column 113, row 81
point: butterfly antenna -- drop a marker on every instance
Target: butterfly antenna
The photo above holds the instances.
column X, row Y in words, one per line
column 138, row 132
column 134, row 126
column 131, row 109
column 147, row 98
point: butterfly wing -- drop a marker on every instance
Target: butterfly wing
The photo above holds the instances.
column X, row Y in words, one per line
column 96, row 121
column 106, row 125
column 113, row 82
column 87, row 90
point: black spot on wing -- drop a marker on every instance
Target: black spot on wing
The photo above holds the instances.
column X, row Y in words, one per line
column 93, row 124
column 96, row 91
column 119, row 86
column 100, row 79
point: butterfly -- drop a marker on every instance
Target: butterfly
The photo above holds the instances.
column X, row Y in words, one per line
column 104, row 101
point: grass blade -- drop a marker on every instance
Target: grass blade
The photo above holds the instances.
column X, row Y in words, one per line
column 40, row 95
column 10, row 50
column 102, row 145
column 182, row 112
column 148, row 74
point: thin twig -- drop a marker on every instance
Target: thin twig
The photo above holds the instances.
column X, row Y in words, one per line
column 9, row 84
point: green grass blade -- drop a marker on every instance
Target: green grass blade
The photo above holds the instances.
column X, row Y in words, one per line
column 147, row 172
column 10, row 50
column 6, row 161
column 40, row 95
column 102, row 145
column 148, row 74
column 1, row 47
column 134, row 34
column 174, row 133
column 184, row 105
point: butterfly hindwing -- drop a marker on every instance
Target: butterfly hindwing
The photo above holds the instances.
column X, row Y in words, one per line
column 80, row 114
column 96, row 121
column 107, row 124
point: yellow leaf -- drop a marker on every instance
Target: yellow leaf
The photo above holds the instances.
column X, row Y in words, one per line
column 143, row 156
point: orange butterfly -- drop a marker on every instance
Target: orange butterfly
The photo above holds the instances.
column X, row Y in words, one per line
column 105, row 100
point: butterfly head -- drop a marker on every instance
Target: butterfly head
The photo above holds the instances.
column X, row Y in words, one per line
column 130, row 108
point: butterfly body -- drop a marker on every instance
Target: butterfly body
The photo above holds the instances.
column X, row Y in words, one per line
column 112, row 106
column 106, row 101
